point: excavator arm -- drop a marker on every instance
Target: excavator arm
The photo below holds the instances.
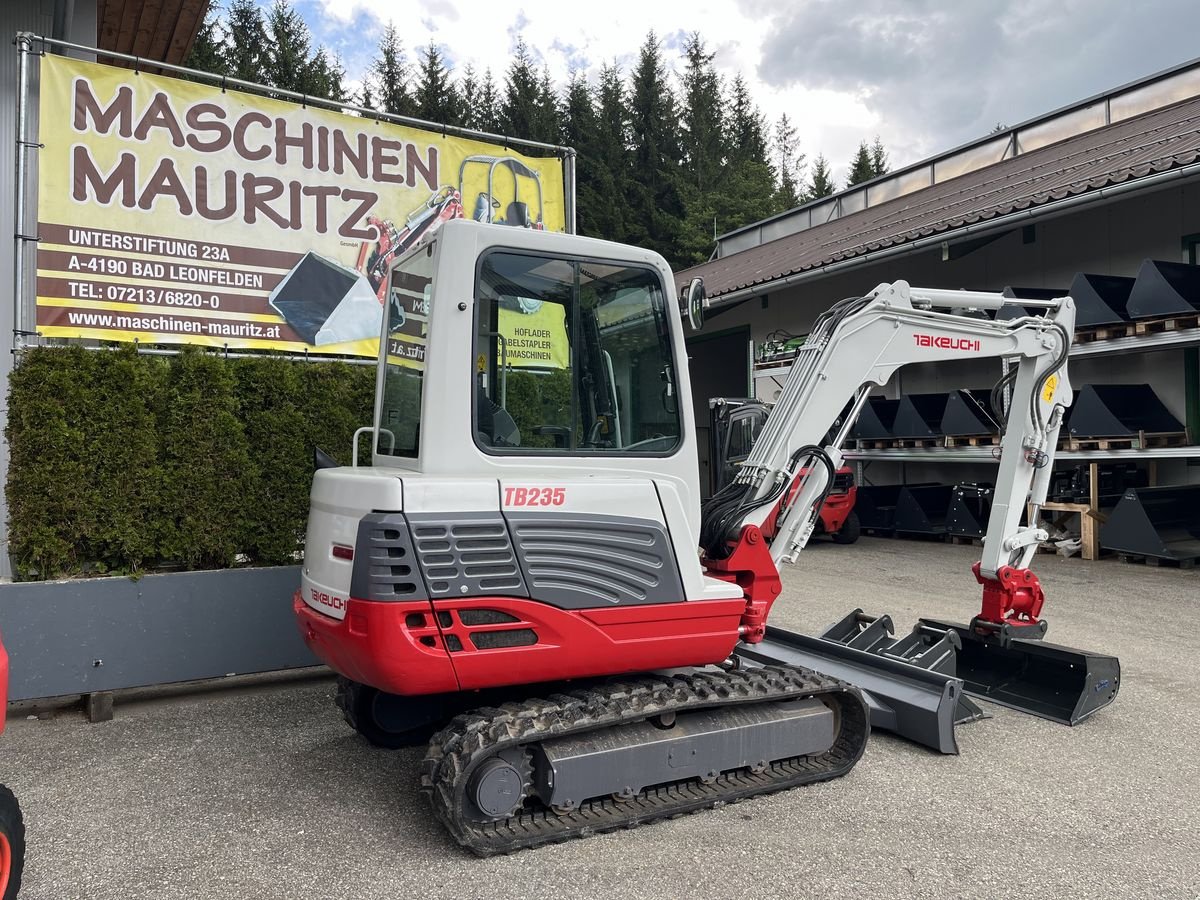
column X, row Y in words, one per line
column 860, row 343
column 915, row 683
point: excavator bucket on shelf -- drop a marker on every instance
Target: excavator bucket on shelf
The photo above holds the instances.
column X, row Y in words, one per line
column 1059, row 683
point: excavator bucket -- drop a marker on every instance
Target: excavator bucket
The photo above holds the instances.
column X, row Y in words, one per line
column 1059, row 683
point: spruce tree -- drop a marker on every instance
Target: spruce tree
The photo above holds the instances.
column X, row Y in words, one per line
column 520, row 114
column 612, row 156
column 879, row 158
column 326, row 77
column 702, row 133
column 208, row 53
column 702, row 142
column 862, row 166
column 594, row 183
column 468, row 98
column 488, row 113
column 749, row 187
column 548, row 116
column 390, row 70
column 435, row 94
column 245, row 47
column 289, row 50
column 820, row 182
column 790, row 164
column 655, row 215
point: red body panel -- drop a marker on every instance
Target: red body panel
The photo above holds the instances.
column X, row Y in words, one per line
column 378, row 643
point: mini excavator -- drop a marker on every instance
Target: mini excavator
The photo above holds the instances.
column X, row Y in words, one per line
column 525, row 578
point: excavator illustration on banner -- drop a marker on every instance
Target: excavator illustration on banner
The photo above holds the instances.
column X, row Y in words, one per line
column 446, row 203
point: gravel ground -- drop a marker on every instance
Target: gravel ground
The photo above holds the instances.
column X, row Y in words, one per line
column 263, row 793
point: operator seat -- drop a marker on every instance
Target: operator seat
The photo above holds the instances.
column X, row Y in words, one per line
column 494, row 425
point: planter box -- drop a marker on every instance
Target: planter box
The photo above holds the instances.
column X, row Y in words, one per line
column 105, row 634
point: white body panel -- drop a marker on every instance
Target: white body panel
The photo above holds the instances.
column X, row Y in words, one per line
column 447, row 447
column 339, row 499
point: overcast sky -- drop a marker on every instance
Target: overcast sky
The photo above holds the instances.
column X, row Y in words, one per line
column 925, row 75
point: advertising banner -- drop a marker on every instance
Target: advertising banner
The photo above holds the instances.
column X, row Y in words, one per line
column 175, row 212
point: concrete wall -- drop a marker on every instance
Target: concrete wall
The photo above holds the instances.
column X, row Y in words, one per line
column 1111, row 239
column 36, row 16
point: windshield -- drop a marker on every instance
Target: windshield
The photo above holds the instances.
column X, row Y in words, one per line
column 409, row 295
column 572, row 356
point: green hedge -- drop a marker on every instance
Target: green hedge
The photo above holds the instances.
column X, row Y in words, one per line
column 122, row 462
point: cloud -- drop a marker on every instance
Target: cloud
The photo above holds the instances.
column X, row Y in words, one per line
column 935, row 74
column 925, row 75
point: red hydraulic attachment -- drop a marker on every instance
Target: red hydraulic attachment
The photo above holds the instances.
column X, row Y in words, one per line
column 1013, row 597
column 751, row 568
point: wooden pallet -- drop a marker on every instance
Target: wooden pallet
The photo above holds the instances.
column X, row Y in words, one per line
column 1169, row 323
column 917, row 443
column 972, row 440
column 1103, row 332
column 1157, row 561
column 1143, row 440
column 873, row 444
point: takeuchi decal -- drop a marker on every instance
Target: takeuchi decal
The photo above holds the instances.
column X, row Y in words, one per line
column 948, row 343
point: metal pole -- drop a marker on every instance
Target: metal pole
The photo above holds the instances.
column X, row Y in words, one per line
column 19, row 329
column 569, row 177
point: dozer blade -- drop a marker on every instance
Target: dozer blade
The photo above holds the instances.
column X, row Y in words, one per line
column 1059, row 683
column 915, row 703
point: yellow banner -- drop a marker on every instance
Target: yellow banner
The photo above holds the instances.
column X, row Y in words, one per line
column 174, row 212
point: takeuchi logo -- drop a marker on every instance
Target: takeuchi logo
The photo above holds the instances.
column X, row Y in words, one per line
column 948, row 343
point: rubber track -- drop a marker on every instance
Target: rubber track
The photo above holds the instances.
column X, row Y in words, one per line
column 472, row 738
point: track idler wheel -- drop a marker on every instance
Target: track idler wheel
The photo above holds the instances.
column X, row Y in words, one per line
column 388, row 720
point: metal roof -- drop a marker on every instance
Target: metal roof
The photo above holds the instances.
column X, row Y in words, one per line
column 1118, row 154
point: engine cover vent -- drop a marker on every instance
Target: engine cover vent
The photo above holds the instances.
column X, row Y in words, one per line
column 384, row 563
column 466, row 555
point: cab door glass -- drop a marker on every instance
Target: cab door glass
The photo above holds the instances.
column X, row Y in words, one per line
column 572, row 356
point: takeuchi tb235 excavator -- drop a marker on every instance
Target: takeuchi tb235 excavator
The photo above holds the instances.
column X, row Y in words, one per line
column 516, row 578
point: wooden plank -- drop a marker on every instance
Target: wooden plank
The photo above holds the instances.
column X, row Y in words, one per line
column 147, row 26
column 191, row 18
column 130, row 14
column 168, row 21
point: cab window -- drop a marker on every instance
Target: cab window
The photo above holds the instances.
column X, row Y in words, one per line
column 572, row 356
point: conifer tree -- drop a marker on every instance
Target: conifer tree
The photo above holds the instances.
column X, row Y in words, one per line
column 862, row 167
column 820, row 183
column 611, row 154
column 390, row 71
column 655, row 214
column 289, row 50
column 489, row 104
column 520, row 109
column 468, row 98
column 208, row 53
column 790, row 164
column 702, row 133
column 245, row 46
column 435, row 94
column 749, row 187
column 879, row 158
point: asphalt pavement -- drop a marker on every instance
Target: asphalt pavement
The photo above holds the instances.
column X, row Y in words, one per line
column 264, row 793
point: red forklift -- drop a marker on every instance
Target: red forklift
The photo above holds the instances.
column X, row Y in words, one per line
column 734, row 426
column 12, row 828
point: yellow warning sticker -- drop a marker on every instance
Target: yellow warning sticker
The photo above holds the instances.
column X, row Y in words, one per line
column 1049, row 388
